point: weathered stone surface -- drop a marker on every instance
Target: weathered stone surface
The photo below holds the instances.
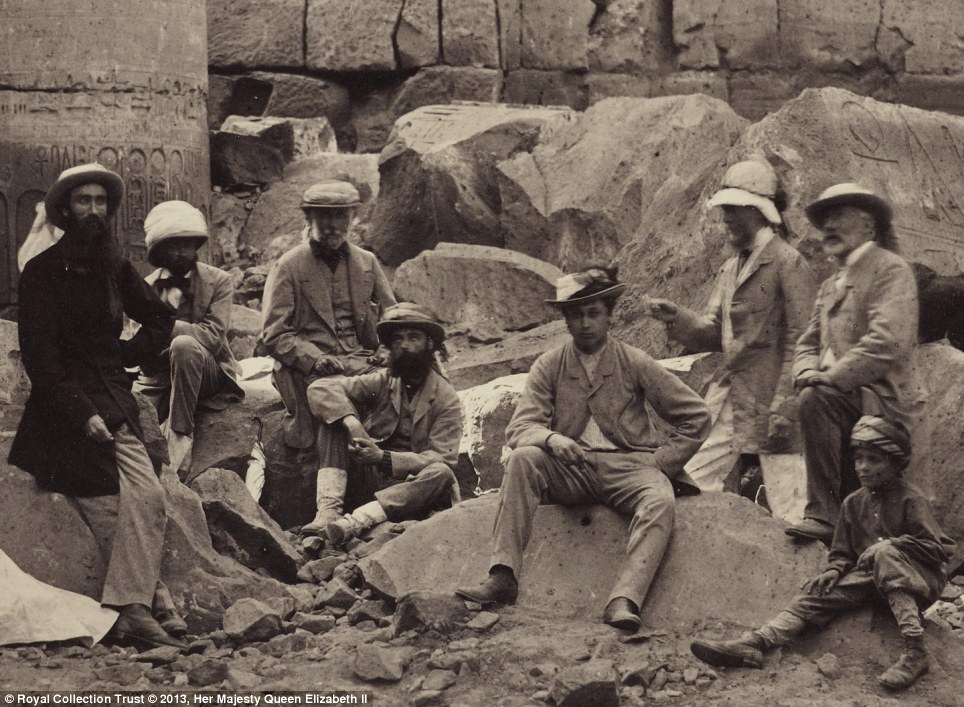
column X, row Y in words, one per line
column 593, row 683
column 628, row 36
column 943, row 93
column 314, row 623
column 445, row 84
column 295, row 138
column 514, row 354
column 510, row 33
column 439, row 680
column 293, row 96
column 555, row 35
column 590, row 186
column 474, row 285
column 721, row 544
column 255, row 34
column 277, row 212
column 470, row 33
column 210, row 672
column 243, row 159
column 438, row 176
column 417, row 34
column 244, row 330
column 828, row 35
column 928, row 34
column 281, row 646
column 250, row 620
column 228, row 216
column 743, row 32
column 486, row 410
column 235, row 95
column 380, row 664
column 377, row 611
column 122, row 674
column 483, row 621
column 241, row 529
column 159, row 656
column 422, row 610
column 336, row 593
column 350, row 36
column 548, row 88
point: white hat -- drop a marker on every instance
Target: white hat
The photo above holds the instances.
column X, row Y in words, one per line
column 849, row 194
column 172, row 219
column 58, row 196
column 749, row 183
column 570, row 289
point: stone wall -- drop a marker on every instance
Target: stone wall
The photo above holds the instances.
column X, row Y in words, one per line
column 365, row 64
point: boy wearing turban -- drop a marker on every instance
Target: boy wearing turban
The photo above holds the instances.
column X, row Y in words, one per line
column 887, row 543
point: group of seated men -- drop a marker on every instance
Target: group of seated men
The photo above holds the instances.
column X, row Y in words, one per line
column 361, row 379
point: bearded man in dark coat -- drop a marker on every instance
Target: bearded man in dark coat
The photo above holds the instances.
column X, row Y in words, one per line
column 80, row 434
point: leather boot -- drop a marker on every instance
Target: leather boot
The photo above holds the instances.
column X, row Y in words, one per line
column 136, row 627
column 357, row 522
column 329, row 498
column 911, row 664
column 500, row 587
column 621, row 613
column 744, row 652
column 165, row 612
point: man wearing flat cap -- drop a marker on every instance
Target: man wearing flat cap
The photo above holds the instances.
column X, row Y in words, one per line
column 855, row 356
column 321, row 303
column 80, row 434
column 582, row 434
column 758, row 309
column 392, row 434
column 197, row 365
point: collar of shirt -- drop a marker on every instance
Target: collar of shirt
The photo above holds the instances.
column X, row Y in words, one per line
column 172, row 287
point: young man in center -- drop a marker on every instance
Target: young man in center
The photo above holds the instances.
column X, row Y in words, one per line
column 582, row 434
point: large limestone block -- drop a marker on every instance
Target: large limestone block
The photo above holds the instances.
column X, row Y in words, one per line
column 556, row 35
column 588, row 188
column 721, row 545
column 351, row 36
column 830, row 36
column 295, row 138
column 470, row 34
column 251, row 34
column 438, row 175
column 928, row 34
column 293, row 96
column 446, row 84
column 550, row 87
column 743, row 32
column 248, row 160
column 486, row 410
column 514, row 354
column 480, row 287
column 510, row 33
column 628, row 36
column 417, row 34
column 277, row 212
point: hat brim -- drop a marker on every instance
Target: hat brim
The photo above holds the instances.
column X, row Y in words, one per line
column 871, row 203
column 733, row 196
column 59, row 193
column 385, row 329
column 615, row 291
column 307, row 207
column 196, row 235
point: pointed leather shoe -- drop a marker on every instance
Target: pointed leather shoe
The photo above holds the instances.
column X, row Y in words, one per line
column 811, row 529
column 621, row 613
column 741, row 653
column 498, row 588
column 172, row 624
column 136, row 627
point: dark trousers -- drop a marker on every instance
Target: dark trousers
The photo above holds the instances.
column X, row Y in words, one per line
column 827, row 416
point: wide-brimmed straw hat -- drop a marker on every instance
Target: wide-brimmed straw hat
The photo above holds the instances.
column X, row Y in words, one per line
column 58, row 197
column 586, row 286
column 749, row 183
column 330, row 194
column 173, row 219
column 408, row 315
column 849, row 194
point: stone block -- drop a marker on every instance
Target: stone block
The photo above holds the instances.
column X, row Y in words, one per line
column 348, row 36
column 417, row 34
column 376, row 611
column 928, row 35
column 446, row 84
column 556, row 35
column 745, row 33
column 472, row 284
column 934, row 93
column 249, row 620
column 829, row 36
column 437, row 176
column 278, row 212
column 685, row 82
column 592, row 683
column 295, row 138
column 235, row 95
column 602, row 86
column 470, row 35
column 241, row 529
column 314, row 623
column 755, row 95
column 514, row 354
column 380, row 664
column 430, row 611
column 244, row 160
column 228, row 216
column 438, row 680
column 486, row 410
column 337, row 594
column 251, row 34
column 293, row 96
column 628, row 36
column 547, row 88
column 510, row 33
column 210, row 672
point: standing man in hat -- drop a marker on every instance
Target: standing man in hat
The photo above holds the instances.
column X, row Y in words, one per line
column 582, row 433
column 758, row 309
column 198, row 365
column 394, row 433
column 80, row 434
column 321, row 302
column 855, row 357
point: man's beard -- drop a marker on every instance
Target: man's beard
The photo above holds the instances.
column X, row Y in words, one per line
column 181, row 265
column 89, row 245
column 411, row 366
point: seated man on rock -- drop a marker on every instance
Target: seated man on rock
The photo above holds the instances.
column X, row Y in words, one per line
column 390, row 437
column 197, row 366
column 582, row 434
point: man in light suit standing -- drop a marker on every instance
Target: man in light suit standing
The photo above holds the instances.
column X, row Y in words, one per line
column 856, row 356
column 322, row 301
